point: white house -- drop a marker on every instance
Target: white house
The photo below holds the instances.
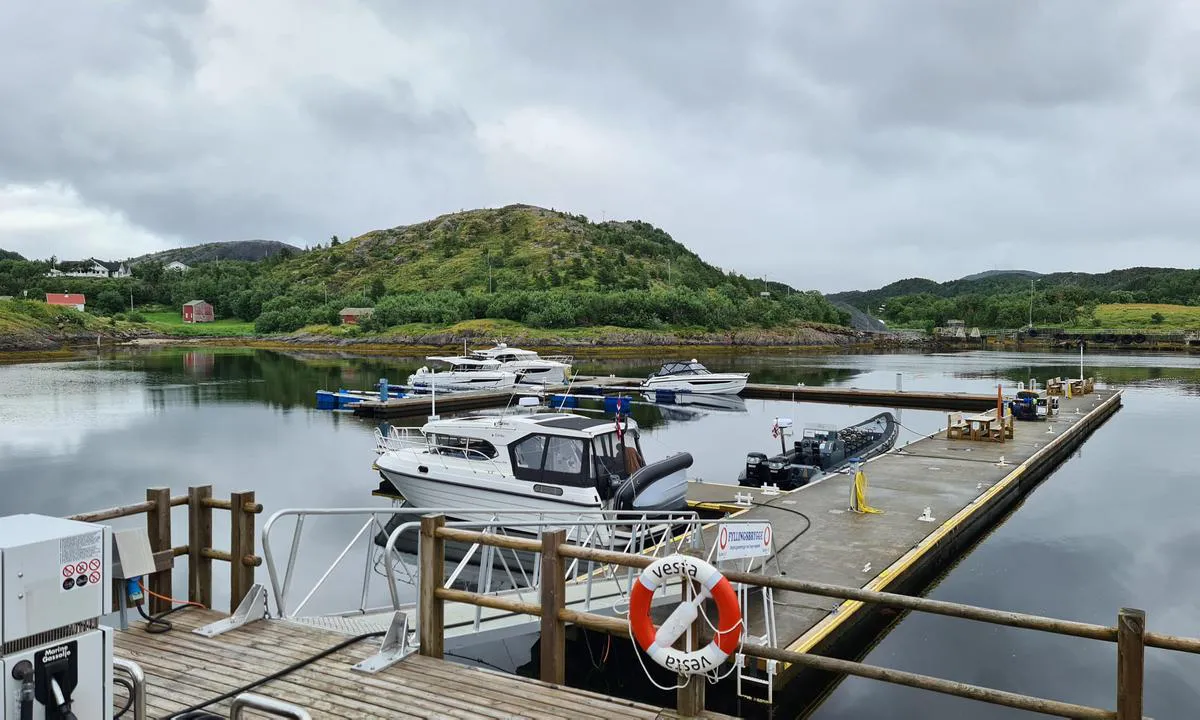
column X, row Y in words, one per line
column 176, row 266
column 90, row 268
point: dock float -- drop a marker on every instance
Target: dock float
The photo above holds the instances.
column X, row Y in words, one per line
column 423, row 405
column 967, row 487
column 183, row 669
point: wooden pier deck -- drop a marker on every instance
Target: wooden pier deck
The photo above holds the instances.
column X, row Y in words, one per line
column 183, row 668
column 961, row 481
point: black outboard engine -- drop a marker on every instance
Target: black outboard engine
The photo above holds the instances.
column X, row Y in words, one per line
column 756, row 469
column 779, row 471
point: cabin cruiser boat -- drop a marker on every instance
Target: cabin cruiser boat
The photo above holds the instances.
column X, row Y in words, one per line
column 463, row 373
column 527, row 364
column 539, row 461
column 692, row 377
column 820, row 451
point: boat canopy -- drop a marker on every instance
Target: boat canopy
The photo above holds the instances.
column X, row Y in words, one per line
column 681, row 368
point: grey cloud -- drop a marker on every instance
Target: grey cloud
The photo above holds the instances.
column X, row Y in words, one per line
column 929, row 137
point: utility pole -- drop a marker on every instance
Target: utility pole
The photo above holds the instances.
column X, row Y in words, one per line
column 1031, row 282
column 668, row 271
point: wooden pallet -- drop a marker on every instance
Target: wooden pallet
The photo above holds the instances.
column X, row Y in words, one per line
column 183, row 668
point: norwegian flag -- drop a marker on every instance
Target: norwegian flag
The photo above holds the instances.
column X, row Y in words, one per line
column 775, row 429
column 620, row 430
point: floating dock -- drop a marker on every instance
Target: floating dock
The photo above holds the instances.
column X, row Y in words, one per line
column 183, row 669
column 968, row 486
column 424, row 405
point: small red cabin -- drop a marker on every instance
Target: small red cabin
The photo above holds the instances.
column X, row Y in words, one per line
column 353, row 316
column 197, row 311
column 74, row 300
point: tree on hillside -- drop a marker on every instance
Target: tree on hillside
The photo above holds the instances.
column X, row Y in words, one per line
column 333, row 241
column 1158, row 318
column 377, row 289
column 110, row 302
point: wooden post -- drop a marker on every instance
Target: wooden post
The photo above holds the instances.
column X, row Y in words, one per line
column 553, row 598
column 1131, row 652
column 199, row 540
column 241, row 547
column 158, row 529
column 689, row 699
column 430, row 609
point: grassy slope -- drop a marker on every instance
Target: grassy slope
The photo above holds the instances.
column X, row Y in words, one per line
column 21, row 317
column 525, row 246
column 1138, row 316
column 171, row 323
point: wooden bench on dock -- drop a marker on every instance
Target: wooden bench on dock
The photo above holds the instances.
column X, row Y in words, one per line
column 983, row 426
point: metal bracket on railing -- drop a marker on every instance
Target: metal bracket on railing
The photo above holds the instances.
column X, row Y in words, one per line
column 252, row 608
column 395, row 646
column 266, row 705
column 137, row 678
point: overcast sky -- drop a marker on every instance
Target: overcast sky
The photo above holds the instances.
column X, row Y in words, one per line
column 827, row 144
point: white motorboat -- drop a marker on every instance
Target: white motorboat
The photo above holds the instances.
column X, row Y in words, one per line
column 692, row 377
column 540, row 461
column 463, row 373
column 527, row 364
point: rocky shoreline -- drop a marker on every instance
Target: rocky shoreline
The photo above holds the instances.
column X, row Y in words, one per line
column 813, row 337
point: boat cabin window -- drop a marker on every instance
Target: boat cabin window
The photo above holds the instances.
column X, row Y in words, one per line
column 681, row 368
column 470, row 448
column 613, row 458
column 551, row 459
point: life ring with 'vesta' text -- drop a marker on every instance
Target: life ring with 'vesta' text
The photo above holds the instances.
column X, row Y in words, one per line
column 657, row 642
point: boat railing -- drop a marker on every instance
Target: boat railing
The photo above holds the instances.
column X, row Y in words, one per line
column 564, row 359
column 654, row 533
column 407, row 438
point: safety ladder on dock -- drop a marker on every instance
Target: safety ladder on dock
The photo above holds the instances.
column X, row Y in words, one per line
column 749, row 676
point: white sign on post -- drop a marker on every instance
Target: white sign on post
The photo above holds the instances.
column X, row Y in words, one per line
column 737, row 540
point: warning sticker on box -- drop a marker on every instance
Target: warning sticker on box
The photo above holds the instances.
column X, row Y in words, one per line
column 79, row 557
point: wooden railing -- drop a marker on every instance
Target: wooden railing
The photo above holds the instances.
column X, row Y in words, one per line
column 1129, row 634
column 199, row 547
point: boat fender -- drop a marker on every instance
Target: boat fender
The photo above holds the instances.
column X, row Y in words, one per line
column 657, row 642
column 645, row 476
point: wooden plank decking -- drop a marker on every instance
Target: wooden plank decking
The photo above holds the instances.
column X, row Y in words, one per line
column 183, row 668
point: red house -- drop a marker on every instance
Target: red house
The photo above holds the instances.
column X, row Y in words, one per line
column 197, row 311
column 74, row 300
column 352, row 316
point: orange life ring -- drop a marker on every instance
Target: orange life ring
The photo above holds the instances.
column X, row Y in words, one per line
column 657, row 642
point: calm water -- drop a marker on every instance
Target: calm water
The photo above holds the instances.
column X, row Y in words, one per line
column 1114, row 526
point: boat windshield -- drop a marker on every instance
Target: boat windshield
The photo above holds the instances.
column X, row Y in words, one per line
column 681, row 368
column 611, row 457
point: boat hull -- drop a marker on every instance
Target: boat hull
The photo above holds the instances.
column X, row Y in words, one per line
column 714, row 384
column 463, row 381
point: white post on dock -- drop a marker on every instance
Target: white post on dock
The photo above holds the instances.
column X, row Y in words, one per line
column 1081, row 361
column 433, row 395
column 899, row 382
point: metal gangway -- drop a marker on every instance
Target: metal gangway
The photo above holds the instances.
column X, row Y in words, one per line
column 370, row 584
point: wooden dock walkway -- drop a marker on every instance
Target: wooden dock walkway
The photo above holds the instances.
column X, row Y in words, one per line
column 183, row 668
column 961, row 481
column 423, row 405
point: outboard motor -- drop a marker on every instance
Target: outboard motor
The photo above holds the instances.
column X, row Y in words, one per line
column 657, row 486
column 756, row 469
column 779, row 470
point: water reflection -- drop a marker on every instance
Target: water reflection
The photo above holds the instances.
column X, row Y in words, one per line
column 1115, row 526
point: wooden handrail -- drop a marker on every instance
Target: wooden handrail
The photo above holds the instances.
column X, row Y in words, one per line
column 157, row 509
column 1129, row 634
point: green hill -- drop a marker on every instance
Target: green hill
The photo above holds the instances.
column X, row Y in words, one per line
column 518, row 247
column 521, row 264
column 10, row 255
column 1003, row 299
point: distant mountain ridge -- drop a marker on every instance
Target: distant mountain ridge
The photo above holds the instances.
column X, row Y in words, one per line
column 250, row 250
column 993, row 273
column 1137, row 284
column 10, row 255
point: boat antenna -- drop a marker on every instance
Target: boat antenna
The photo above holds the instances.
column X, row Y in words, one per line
column 433, row 395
